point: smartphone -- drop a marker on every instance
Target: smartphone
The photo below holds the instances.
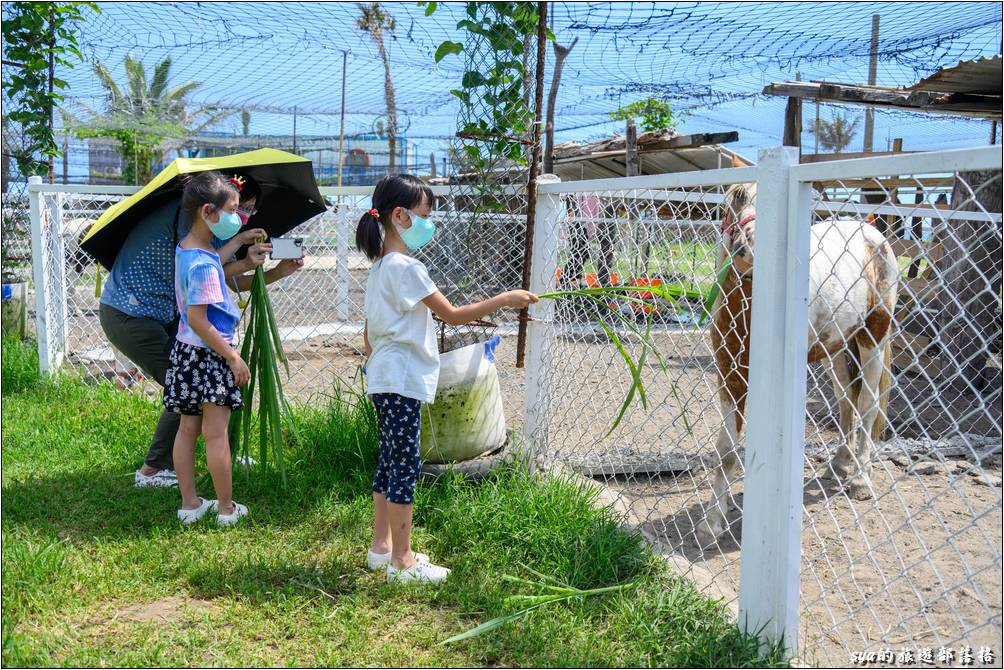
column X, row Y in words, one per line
column 286, row 247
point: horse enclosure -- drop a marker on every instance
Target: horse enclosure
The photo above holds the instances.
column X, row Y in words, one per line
column 910, row 560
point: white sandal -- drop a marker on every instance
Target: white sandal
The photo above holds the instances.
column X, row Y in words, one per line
column 190, row 516
column 240, row 511
column 375, row 561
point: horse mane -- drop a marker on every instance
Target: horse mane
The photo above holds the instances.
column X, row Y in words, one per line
column 737, row 197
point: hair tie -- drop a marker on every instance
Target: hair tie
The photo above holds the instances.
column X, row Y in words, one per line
column 238, row 182
column 375, row 214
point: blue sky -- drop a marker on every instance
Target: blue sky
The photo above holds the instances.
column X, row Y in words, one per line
column 274, row 57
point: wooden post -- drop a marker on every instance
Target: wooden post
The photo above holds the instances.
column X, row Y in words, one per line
column 531, row 203
column 916, row 232
column 432, row 165
column 793, row 121
column 895, row 224
column 632, row 166
column 872, row 78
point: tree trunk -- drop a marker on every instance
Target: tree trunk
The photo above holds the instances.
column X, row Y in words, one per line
column 970, row 269
column 560, row 54
column 388, row 88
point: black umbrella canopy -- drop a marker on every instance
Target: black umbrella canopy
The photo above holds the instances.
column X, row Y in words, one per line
column 289, row 197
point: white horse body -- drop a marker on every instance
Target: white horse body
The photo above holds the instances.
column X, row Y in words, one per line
column 852, row 295
column 839, row 285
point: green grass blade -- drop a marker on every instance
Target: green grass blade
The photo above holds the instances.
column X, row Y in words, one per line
column 270, row 319
column 716, row 289
column 487, row 626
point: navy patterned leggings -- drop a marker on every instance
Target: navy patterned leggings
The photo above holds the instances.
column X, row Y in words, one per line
column 399, row 424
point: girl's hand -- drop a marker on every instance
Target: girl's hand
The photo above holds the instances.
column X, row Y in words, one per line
column 251, row 235
column 240, row 369
column 519, row 299
column 257, row 252
column 287, row 266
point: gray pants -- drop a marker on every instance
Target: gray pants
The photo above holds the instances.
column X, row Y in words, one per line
column 147, row 343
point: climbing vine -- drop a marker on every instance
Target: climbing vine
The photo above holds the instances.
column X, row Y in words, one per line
column 496, row 117
column 37, row 37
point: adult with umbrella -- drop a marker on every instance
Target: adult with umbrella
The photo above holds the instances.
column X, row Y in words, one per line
column 135, row 240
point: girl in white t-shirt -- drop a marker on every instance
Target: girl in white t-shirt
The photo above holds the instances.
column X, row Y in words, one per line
column 402, row 367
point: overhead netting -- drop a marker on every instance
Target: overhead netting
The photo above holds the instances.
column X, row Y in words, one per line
column 270, row 74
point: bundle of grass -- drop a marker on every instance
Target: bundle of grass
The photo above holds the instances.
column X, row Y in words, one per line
column 261, row 349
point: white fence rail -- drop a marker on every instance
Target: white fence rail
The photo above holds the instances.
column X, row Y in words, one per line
column 910, row 562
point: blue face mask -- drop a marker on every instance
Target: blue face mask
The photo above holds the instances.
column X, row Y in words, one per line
column 228, row 225
column 421, row 232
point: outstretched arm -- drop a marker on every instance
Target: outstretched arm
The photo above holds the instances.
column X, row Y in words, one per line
column 456, row 316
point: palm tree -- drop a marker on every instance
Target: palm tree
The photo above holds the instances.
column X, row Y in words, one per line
column 374, row 21
column 837, row 133
column 146, row 117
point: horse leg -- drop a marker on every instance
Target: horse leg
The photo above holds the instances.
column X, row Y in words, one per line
column 867, row 410
column 844, row 387
column 713, row 524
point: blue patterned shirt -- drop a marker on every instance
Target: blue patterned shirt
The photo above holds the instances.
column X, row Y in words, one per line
column 141, row 282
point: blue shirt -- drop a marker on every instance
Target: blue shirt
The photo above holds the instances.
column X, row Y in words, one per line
column 199, row 280
column 141, row 282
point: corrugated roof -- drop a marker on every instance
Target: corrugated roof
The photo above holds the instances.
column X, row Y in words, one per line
column 976, row 77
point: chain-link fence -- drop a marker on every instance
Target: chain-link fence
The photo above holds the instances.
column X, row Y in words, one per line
column 900, row 544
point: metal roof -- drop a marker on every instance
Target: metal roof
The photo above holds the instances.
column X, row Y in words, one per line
column 976, row 77
column 659, row 152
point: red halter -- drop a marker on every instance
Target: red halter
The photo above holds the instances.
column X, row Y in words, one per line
column 728, row 227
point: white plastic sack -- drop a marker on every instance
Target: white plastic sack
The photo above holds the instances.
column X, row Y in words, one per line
column 467, row 419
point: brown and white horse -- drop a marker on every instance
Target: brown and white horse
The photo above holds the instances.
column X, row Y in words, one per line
column 852, row 295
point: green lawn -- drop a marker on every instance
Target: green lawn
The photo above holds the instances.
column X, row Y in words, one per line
column 96, row 572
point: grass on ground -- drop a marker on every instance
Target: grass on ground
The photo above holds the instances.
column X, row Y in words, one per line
column 96, row 572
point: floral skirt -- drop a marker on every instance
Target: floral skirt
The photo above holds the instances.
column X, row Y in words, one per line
column 198, row 375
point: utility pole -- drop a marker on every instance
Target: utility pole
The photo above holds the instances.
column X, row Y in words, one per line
column 872, row 78
column 341, row 123
column 294, row 129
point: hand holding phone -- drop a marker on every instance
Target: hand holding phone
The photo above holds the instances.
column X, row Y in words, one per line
column 287, row 248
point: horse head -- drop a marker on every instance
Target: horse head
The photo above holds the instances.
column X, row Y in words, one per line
column 739, row 225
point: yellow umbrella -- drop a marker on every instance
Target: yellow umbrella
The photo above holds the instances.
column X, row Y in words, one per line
column 289, row 197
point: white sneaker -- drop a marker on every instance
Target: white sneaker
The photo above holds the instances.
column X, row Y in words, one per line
column 376, row 561
column 162, row 478
column 420, row 572
column 240, row 511
column 190, row 516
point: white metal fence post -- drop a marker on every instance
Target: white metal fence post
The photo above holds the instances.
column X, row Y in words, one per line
column 342, row 263
column 540, row 329
column 40, row 275
column 57, row 275
column 772, row 501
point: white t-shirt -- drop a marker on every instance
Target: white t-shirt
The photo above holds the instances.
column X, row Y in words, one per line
column 405, row 359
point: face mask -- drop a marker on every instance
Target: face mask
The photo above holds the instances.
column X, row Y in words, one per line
column 421, row 232
column 228, row 225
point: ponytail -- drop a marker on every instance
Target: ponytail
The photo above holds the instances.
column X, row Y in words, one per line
column 369, row 237
column 393, row 191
